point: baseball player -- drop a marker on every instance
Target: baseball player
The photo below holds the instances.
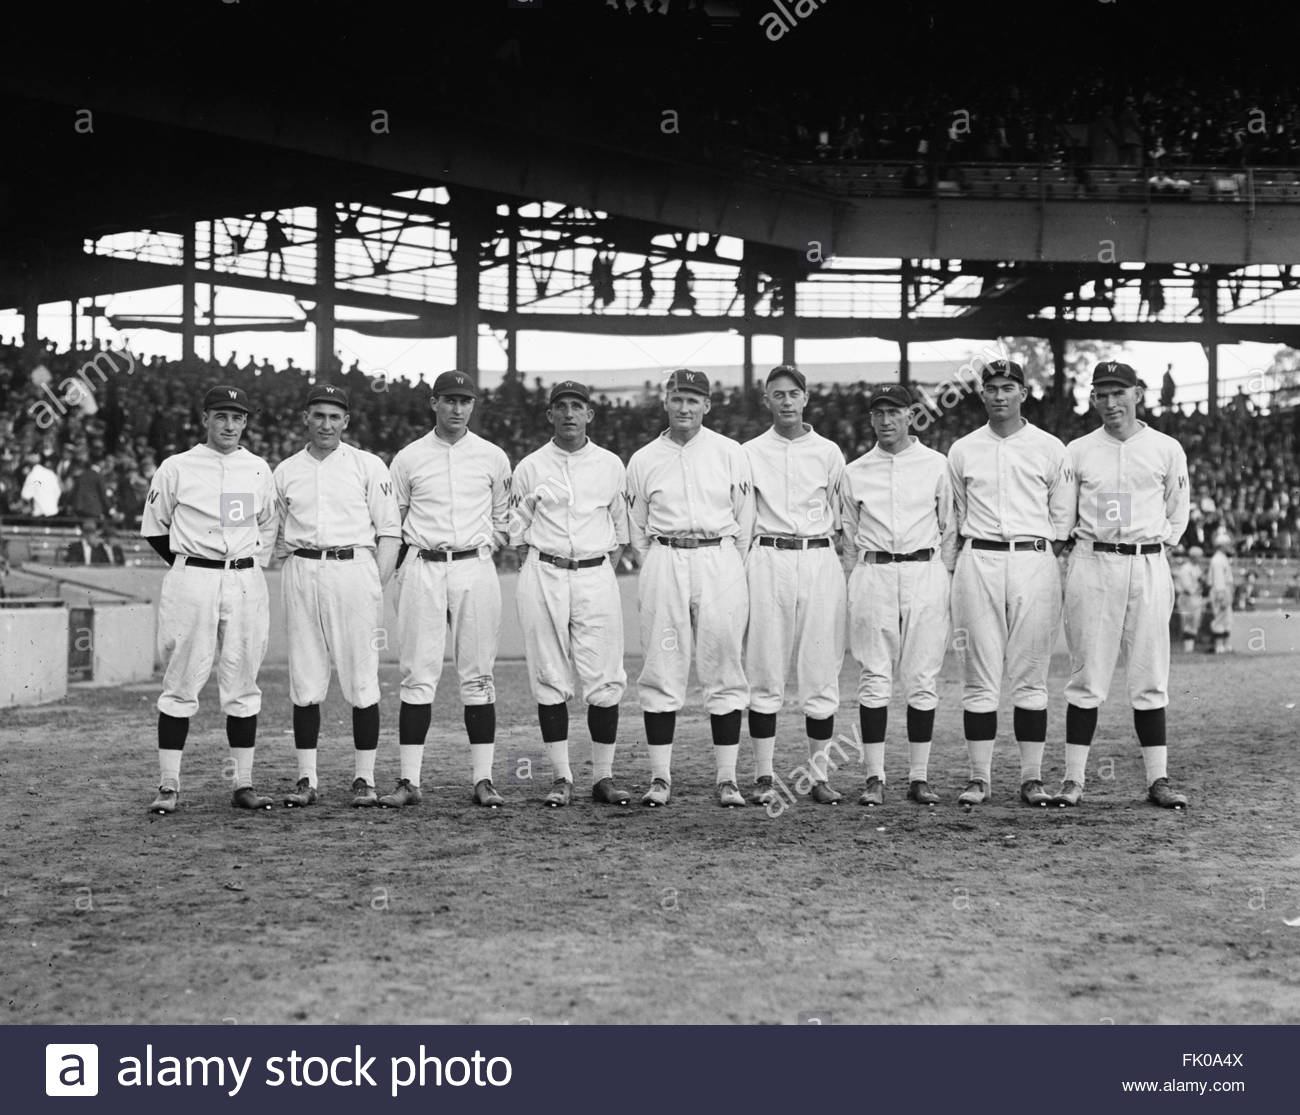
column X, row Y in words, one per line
column 569, row 522
column 340, row 530
column 453, row 491
column 691, row 516
column 897, row 508
column 1132, row 491
column 211, row 516
column 796, row 585
column 1014, row 505
column 1188, row 596
column 1221, row 587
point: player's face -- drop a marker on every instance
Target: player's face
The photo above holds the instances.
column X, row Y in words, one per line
column 785, row 401
column 686, row 410
column 224, row 429
column 569, row 416
column 891, row 424
column 1003, row 398
column 1116, row 404
column 451, row 414
column 325, row 425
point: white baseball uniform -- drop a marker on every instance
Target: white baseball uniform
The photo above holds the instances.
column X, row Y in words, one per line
column 1188, row 596
column 570, row 506
column 1006, row 604
column 1132, row 493
column 1221, row 586
column 215, row 507
column 796, row 591
column 334, row 608
column 899, row 504
column 454, row 498
column 695, row 597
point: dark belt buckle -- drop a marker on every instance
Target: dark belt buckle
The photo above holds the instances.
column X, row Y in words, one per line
column 1040, row 545
column 684, row 543
column 563, row 563
column 789, row 544
column 343, row 554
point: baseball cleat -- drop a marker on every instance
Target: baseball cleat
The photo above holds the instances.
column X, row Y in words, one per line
column 873, row 793
column 976, row 791
column 1071, row 793
column 606, row 793
column 486, row 794
column 1163, row 794
column 729, row 795
column 561, row 792
column 918, row 790
column 304, row 795
column 166, row 800
column 823, row 794
column 363, row 794
column 404, row 794
column 658, row 793
column 764, row 792
column 1033, row 793
column 248, row 798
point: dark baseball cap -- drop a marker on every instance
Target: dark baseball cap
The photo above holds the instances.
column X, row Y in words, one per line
column 788, row 370
column 686, row 380
column 1111, row 371
column 570, row 387
column 227, row 398
column 893, row 393
column 1008, row 369
column 328, row 393
column 455, row 383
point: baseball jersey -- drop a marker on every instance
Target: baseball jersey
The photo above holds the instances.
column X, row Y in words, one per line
column 1130, row 491
column 344, row 500
column 1220, row 576
column 900, row 502
column 452, row 496
column 796, row 483
column 219, row 506
column 703, row 488
column 570, row 505
column 1011, row 487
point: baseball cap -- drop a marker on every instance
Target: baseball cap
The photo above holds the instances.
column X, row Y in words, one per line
column 791, row 371
column 1008, row 369
column 227, row 398
column 686, row 380
column 570, row 387
column 328, row 393
column 1111, row 371
column 894, row 393
column 455, row 383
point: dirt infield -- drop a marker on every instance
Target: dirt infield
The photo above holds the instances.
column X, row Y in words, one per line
column 1116, row 911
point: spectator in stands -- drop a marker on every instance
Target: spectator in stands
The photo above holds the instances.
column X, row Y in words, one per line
column 41, row 489
column 95, row 546
column 86, row 496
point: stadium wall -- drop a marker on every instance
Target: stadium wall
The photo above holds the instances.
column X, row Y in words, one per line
column 33, row 655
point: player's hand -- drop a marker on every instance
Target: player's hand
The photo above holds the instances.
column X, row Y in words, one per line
column 521, row 551
column 1059, row 548
column 615, row 556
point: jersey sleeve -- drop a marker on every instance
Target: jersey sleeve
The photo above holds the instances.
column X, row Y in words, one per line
column 1062, row 494
column 401, row 477
column 618, row 507
column 521, row 508
column 500, row 501
column 638, row 512
column 381, row 500
column 957, row 484
column 268, row 518
column 1177, row 495
column 161, row 501
column 834, row 482
column 743, row 501
column 848, row 515
column 943, row 510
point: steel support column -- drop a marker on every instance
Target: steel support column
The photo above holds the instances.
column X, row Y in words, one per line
column 325, row 235
column 187, row 295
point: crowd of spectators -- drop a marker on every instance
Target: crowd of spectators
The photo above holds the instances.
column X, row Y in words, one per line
column 88, row 452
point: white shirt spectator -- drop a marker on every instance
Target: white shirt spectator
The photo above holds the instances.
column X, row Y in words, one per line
column 43, row 489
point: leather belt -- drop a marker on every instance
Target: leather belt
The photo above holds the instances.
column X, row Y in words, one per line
column 343, row 553
column 570, row 563
column 1127, row 548
column 879, row 557
column 793, row 543
column 209, row 563
column 447, row 555
column 1039, row 544
column 686, row 543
